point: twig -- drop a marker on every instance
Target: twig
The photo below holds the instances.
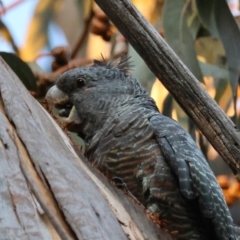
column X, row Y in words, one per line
column 83, row 36
column 43, row 55
column 10, row 6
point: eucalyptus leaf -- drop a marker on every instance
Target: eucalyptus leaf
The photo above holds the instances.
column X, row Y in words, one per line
column 178, row 35
column 141, row 70
column 21, row 69
column 182, row 117
column 7, row 36
column 224, row 97
column 206, row 14
column 168, row 105
column 220, row 75
column 211, row 50
column 217, row 18
column 78, row 11
column 192, row 128
column 37, row 38
column 220, row 89
column 213, row 70
column 193, row 21
column 84, row 8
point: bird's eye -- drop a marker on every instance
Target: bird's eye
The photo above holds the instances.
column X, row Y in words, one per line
column 80, row 82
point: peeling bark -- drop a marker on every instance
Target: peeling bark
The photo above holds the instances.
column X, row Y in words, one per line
column 47, row 191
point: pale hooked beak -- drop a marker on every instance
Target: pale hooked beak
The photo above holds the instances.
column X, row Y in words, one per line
column 56, row 98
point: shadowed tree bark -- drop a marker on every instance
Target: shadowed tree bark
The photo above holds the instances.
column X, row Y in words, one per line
column 47, row 191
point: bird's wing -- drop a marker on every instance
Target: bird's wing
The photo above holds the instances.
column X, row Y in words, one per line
column 196, row 180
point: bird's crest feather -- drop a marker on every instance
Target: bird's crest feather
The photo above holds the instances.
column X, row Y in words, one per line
column 121, row 63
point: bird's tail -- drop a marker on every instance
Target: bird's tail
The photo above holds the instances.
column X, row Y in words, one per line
column 237, row 231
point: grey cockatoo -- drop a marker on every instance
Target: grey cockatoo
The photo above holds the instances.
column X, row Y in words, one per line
column 153, row 155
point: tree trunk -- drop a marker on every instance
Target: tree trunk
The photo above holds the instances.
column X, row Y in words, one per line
column 47, row 191
column 175, row 76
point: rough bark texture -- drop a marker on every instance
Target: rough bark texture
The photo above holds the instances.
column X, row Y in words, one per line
column 46, row 190
column 210, row 119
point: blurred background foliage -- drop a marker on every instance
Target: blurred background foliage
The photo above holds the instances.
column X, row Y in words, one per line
column 41, row 39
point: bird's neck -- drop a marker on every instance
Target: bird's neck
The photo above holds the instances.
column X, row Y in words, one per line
column 96, row 119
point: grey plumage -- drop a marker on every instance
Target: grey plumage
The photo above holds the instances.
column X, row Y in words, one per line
column 128, row 138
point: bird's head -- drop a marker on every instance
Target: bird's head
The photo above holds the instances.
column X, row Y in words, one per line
column 87, row 96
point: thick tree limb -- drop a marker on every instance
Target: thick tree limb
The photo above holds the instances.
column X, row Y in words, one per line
column 210, row 119
column 47, row 191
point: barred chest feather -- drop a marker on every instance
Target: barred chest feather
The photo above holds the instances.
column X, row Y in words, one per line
column 126, row 148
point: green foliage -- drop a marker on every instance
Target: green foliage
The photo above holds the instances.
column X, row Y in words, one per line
column 183, row 22
column 178, row 34
column 7, row 35
column 217, row 18
column 21, row 69
column 36, row 36
column 205, row 35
